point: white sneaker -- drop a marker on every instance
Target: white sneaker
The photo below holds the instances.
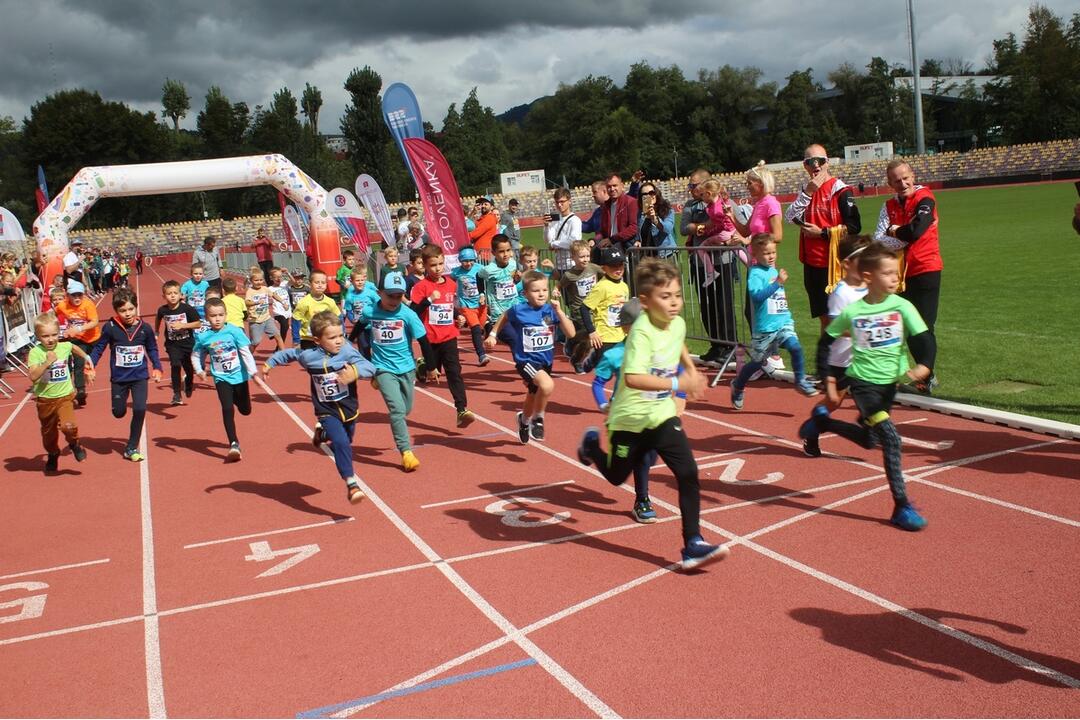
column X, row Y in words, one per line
column 773, row 363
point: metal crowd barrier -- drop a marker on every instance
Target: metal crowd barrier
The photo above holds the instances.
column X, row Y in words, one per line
column 715, row 304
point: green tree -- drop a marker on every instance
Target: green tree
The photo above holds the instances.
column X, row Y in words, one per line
column 221, row 124
column 175, row 101
column 472, row 142
column 310, row 104
column 371, row 147
column 791, row 127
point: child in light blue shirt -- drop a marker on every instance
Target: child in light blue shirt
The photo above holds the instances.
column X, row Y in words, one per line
column 231, row 364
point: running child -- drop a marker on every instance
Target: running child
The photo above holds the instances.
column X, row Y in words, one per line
column 471, row 302
column 773, row 325
column 643, row 415
column 53, row 390
column 882, row 326
column 529, row 327
column 280, row 302
column 529, row 259
column 359, row 294
column 499, row 278
column 600, row 311
column 235, row 306
column 231, row 364
column 131, row 343
column 434, row 299
column 344, row 271
column 180, row 321
column 609, row 367
column 51, row 300
column 194, row 290
column 314, row 302
column 392, row 256
column 394, row 326
column 847, row 291
column 574, row 285
column 79, row 319
column 416, row 271
column 260, row 321
column 333, row 367
column 298, row 290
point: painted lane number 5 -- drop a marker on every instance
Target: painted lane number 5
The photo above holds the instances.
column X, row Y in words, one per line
column 516, row 518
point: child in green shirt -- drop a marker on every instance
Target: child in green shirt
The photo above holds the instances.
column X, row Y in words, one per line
column 53, row 389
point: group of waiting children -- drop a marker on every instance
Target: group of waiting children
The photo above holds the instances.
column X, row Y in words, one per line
column 640, row 342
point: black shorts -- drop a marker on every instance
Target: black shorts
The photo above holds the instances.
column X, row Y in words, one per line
column 528, row 370
column 815, row 280
column 178, row 353
column 840, row 373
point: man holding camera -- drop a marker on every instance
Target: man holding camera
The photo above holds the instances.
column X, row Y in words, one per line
column 824, row 202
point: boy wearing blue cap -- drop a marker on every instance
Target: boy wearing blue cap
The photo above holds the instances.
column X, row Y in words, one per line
column 471, row 300
column 394, row 327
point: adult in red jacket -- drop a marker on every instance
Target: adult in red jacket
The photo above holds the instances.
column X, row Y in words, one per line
column 618, row 217
column 264, row 252
column 823, row 203
column 909, row 222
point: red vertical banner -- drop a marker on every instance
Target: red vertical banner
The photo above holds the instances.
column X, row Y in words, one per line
column 443, row 217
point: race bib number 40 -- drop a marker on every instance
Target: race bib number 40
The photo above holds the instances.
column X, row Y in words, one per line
column 872, row 332
column 388, row 332
column 535, row 339
column 130, row 356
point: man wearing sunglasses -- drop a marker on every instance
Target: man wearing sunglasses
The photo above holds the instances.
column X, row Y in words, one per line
column 823, row 203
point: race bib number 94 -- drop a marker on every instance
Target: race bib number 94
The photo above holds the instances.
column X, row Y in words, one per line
column 872, row 332
column 441, row 314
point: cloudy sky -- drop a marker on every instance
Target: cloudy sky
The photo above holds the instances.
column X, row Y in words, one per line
column 514, row 52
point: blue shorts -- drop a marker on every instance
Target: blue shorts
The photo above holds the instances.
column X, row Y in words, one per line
column 763, row 345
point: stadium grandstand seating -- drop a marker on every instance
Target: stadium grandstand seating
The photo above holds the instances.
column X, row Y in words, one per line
column 1034, row 159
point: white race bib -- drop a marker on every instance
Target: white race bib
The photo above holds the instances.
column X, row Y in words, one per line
column 505, row 290
column 226, row 360
column 196, row 299
column 871, row 332
column 585, row 285
column 468, row 287
column 535, row 339
column 776, row 303
column 388, row 332
column 58, row 372
column 612, row 316
column 441, row 314
column 130, row 356
column 327, row 387
column 661, row 372
column 175, row 334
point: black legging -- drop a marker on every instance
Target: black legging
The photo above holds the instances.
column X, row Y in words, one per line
column 180, row 359
column 120, row 392
column 628, row 450
column 445, row 355
column 231, row 396
column 923, row 291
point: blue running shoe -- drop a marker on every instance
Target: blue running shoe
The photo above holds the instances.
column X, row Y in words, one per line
column 698, row 552
column 643, row 511
column 736, row 396
column 807, row 388
column 589, row 441
column 907, row 518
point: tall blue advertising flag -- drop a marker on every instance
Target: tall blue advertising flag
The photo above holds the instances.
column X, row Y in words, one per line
column 402, row 115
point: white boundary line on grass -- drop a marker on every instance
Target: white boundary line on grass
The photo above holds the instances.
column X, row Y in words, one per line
column 561, row 675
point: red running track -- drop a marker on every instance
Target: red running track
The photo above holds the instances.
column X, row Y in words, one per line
column 508, row 580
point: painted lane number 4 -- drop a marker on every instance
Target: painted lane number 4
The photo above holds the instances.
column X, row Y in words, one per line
column 261, row 552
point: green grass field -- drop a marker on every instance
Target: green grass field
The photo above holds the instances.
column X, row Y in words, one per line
column 1010, row 297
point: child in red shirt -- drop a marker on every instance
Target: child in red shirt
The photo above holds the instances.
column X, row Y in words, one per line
column 433, row 299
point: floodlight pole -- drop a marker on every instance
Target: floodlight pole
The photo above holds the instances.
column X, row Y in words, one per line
column 920, row 139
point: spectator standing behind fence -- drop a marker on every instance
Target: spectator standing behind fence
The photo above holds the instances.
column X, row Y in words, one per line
column 264, row 251
column 600, row 197
column 712, row 296
column 618, row 217
column 510, row 227
column 824, row 202
column 561, row 229
column 656, row 224
column 908, row 223
column 208, row 258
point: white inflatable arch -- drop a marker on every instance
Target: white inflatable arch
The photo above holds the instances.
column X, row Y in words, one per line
column 92, row 183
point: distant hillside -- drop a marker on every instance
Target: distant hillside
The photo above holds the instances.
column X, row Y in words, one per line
column 517, row 113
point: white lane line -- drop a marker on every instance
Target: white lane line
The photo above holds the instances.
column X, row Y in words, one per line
column 517, row 491
column 1002, row 503
column 54, row 569
column 561, row 675
column 295, row 589
column 842, row 584
column 69, row 630
column 268, row 533
column 14, row 413
column 713, row 456
column 155, row 688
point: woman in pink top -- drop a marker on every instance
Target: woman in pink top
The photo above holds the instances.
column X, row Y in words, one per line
column 766, row 216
